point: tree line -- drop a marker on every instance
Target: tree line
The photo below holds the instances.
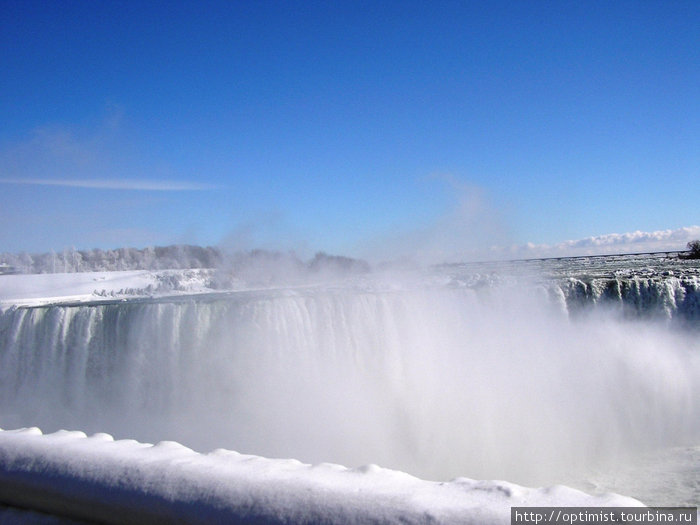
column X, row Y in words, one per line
column 693, row 250
column 179, row 256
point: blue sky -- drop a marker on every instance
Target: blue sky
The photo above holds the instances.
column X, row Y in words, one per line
column 350, row 127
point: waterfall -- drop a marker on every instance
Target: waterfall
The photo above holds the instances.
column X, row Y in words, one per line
column 437, row 381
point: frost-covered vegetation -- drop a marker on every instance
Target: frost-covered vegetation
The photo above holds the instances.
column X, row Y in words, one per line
column 261, row 263
column 96, row 260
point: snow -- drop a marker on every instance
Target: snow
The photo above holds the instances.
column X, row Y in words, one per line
column 48, row 288
column 79, row 477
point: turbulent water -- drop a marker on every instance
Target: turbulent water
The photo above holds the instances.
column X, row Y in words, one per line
column 580, row 371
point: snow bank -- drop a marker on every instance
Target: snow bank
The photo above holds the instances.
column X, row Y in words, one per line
column 48, row 288
column 99, row 479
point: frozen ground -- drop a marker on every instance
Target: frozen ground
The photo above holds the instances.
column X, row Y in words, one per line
column 47, row 288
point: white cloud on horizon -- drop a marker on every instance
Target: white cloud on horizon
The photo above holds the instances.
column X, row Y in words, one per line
column 123, row 184
column 472, row 229
column 632, row 242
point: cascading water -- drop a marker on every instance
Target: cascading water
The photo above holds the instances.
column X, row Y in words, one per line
column 438, row 380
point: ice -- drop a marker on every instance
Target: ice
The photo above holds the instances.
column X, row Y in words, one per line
column 52, row 288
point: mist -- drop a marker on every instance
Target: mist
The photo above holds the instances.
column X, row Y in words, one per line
column 398, row 370
column 468, row 225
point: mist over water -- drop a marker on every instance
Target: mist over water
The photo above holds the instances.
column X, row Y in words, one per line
column 489, row 381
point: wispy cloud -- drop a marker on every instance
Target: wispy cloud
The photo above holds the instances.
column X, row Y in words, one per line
column 122, row 184
column 97, row 183
column 101, row 156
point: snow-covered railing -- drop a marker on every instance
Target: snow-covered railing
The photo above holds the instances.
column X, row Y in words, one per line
column 98, row 479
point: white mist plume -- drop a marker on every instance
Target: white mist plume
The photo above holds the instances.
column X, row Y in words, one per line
column 467, row 230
